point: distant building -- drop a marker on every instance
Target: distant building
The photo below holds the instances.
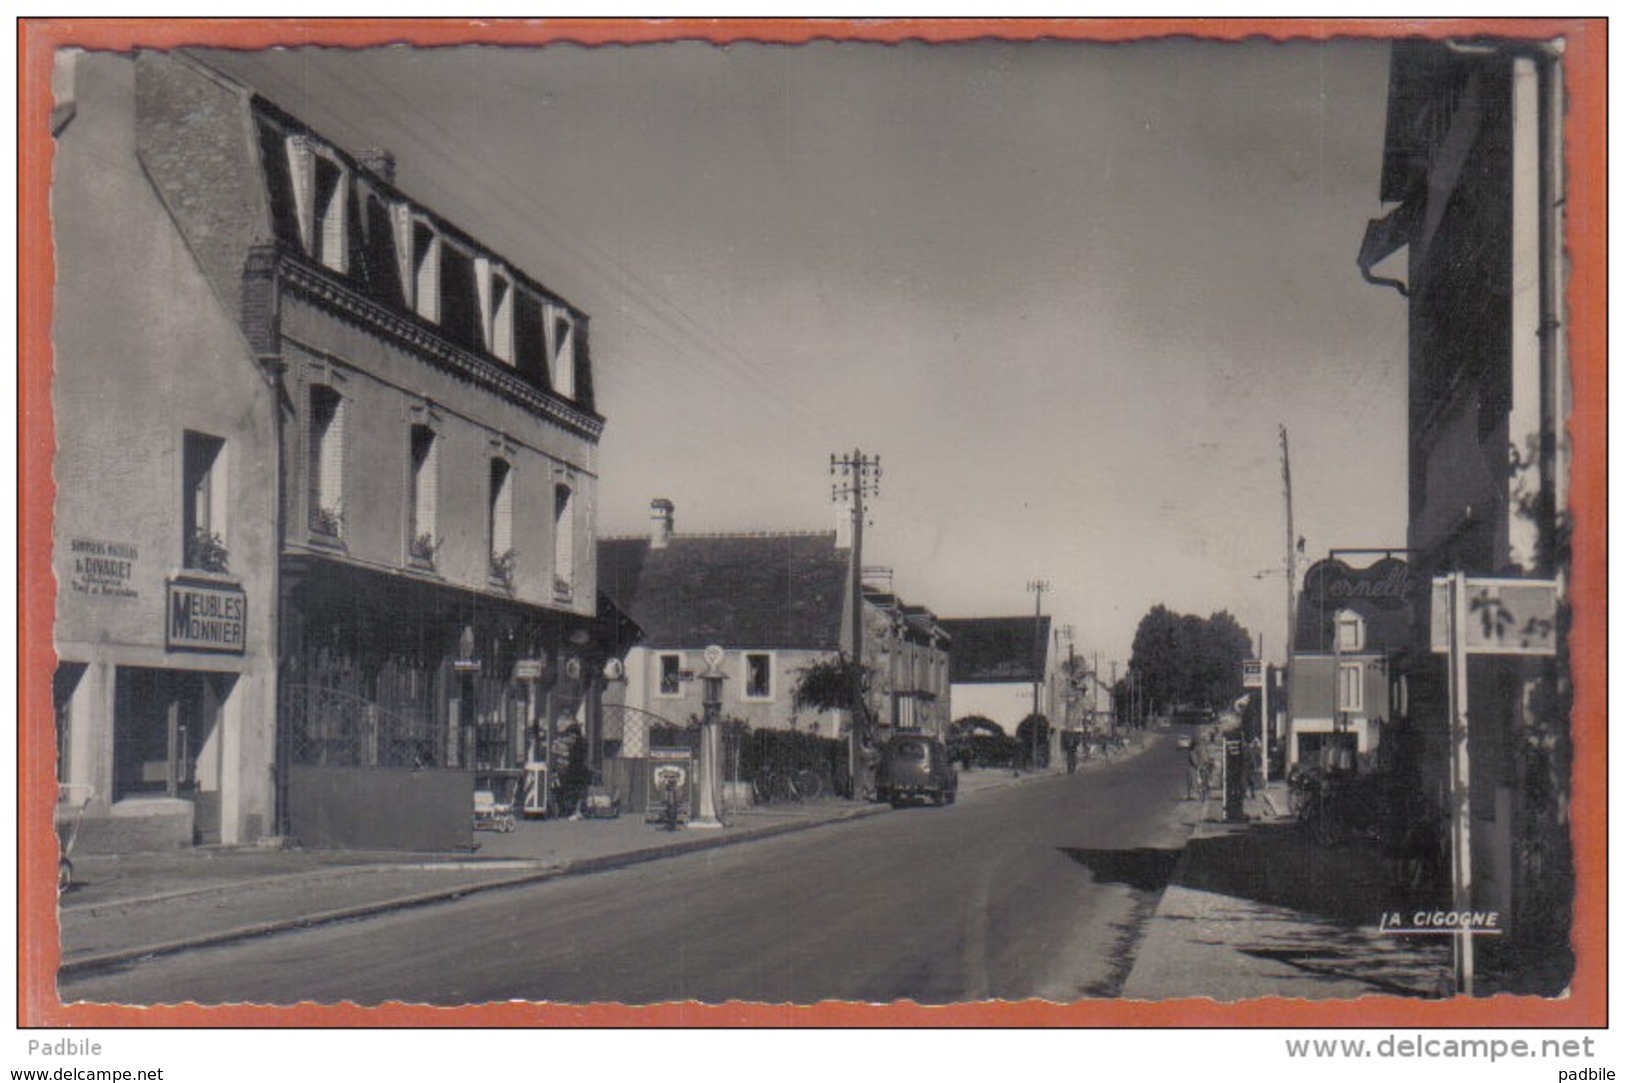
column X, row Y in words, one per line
column 995, row 664
column 1348, row 658
column 909, row 652
column 776, row 604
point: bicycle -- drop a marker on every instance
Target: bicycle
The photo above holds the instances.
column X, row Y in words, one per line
column 1204, row 781
column 771, row 785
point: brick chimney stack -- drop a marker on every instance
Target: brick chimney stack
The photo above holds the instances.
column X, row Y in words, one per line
column 663, row 514
column 379, row 162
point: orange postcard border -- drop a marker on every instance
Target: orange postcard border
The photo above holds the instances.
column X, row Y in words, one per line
column 1586, row 131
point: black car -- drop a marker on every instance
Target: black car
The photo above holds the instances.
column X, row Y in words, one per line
column 914, row 767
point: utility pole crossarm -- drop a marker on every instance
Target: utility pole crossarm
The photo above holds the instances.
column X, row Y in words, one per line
column 856, row 476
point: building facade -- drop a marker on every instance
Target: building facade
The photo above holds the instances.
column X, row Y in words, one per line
column 1473, row 162
column 166, row 550
column 776, row 603
column 412, row 434
column 1000, row 668
column 1349, row 658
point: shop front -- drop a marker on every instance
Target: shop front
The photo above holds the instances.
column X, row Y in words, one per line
column 157, row 743
column 387, row 678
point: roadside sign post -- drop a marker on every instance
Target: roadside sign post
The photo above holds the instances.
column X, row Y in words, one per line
column 1509, row 617
column 1254, row 675
column 1461, row 811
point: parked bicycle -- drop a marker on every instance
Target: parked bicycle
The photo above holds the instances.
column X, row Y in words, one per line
column 772, row 785
column 1335, row 807
column 71, row 801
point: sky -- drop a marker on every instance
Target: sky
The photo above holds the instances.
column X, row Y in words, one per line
column 1069, row 293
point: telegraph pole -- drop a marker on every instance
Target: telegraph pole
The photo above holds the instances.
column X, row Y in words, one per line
column 856, row 476
column 1037, row 587
column 1291, row 590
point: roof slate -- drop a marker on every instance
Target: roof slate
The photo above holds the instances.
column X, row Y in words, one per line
column 768, row 591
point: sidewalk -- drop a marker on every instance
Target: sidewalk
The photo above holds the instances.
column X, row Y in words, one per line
column 126, row 907
column 1259, row 909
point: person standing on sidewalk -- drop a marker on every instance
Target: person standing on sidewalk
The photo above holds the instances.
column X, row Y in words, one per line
column 1194, row 759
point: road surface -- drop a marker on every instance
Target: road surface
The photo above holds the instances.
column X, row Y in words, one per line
column 1036, row 890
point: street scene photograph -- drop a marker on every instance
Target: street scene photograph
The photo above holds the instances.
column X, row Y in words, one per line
column 726, row 520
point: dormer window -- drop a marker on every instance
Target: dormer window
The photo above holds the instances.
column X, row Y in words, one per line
column 321, row 196
column 496, row 308
column 460, row 317
column 561, row 351
column 425, row 276
column 1350, row 631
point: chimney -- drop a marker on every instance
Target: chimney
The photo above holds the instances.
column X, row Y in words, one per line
column 379, row 162
column 662, row 513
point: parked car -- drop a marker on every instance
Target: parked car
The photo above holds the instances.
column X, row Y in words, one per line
column 915, row 767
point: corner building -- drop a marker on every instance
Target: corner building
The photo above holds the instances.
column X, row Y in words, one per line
column 425, row 474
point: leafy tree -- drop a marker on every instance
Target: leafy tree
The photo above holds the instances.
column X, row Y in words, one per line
column 1032, row 734
column 1188, row 659
column 834, row 684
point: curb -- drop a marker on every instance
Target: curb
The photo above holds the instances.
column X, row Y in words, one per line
column 579, row 867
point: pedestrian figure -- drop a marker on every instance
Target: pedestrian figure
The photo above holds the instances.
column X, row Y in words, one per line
column 1071, row 753
column 1255, row 766
column 1195, row 761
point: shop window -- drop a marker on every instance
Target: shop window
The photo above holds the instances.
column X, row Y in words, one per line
column 499, row 522
column 326, row 462
column 422, row 533
column 564, row 534
column 758, row 676
column 671, row 674
column 203, row 503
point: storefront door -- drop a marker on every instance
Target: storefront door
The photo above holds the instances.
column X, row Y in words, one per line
column 166, row 741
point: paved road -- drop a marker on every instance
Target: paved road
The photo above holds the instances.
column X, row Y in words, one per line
column 1035, row 890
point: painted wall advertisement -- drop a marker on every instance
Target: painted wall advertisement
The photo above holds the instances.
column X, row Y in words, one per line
column 102, row 569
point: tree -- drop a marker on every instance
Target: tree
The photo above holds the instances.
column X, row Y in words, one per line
column 834, row 684
column 1032, row 734
column 1188, row 659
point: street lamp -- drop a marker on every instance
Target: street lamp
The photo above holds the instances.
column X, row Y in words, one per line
column 710, row 781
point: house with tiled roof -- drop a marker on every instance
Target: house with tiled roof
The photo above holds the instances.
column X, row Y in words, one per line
column 995, row 664
column 775, row 603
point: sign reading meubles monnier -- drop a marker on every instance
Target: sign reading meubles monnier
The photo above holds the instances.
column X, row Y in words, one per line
column 205, row 617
